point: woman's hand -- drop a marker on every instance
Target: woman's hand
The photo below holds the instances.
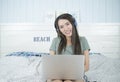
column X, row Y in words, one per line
column 86, row 53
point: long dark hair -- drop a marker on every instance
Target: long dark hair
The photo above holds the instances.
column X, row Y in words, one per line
column 76, row 46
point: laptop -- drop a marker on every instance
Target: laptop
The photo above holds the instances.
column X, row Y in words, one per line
column 62, row 67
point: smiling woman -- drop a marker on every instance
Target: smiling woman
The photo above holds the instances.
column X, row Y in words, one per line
column 69, row 42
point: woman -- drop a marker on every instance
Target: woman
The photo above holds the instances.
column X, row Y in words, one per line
column 68, row 41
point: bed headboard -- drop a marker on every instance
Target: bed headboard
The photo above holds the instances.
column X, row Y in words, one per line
column 103, row 38
column 26, row 37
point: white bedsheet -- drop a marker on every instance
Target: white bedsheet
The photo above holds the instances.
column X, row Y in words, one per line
column 16, row 68
column 103, row 69
column 25, row 69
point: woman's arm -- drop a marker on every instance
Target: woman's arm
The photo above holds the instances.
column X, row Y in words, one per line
column 86, row 53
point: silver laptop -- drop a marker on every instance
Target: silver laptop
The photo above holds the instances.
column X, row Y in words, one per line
column 62, row 67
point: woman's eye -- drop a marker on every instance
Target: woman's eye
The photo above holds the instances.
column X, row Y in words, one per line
column 61, row 26
column 67, row 23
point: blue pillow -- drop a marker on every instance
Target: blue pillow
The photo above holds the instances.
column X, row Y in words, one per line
column 24, row 53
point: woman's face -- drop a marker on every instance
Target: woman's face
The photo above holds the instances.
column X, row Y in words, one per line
column 65, row 27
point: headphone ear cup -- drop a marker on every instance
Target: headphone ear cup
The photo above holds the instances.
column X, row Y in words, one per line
column 75, row 24
column 57, row 30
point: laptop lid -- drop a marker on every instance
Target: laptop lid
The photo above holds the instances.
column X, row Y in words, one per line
column 62, row 67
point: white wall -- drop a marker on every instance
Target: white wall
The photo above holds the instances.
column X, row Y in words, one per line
column 33, row 11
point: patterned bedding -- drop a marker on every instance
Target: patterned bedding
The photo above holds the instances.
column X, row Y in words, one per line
column 25, row 67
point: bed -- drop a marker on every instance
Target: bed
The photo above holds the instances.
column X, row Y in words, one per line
column 25, row 67
column 104, row 69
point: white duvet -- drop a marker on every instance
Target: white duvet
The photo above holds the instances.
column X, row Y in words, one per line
column 103, row 69
column 18, row 69
column 26, row 69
